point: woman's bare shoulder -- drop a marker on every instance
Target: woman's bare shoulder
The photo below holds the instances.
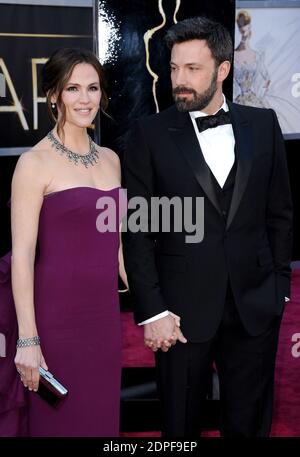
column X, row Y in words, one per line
column 109, row 163
column 109, row 154
column 32, row 164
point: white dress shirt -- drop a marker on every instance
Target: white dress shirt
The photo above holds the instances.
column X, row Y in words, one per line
column 217, row 145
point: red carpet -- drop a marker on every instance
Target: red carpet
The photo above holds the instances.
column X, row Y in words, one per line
column 135, row 354
column 286, row 418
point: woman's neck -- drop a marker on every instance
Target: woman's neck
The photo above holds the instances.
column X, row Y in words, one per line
column 244, row 44
column 74, row 138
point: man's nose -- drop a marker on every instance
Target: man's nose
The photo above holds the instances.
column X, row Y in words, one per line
column 180, row 78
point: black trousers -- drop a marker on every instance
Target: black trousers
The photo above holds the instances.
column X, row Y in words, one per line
column 245, row 366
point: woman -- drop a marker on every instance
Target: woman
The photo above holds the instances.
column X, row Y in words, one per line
column 252, row 83
column 251, row 78
column 66, row 294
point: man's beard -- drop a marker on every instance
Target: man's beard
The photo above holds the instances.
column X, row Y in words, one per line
column 199, row 100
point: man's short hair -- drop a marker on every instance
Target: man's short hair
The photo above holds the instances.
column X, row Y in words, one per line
column 201, row 28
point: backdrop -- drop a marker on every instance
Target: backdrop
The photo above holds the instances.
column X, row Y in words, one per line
column 130, row 45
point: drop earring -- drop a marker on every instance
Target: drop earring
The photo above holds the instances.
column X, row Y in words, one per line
column 53, row 105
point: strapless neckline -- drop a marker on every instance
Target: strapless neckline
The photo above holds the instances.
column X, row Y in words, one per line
column 62, row 191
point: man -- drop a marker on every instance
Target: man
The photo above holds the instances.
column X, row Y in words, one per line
column 220, row 299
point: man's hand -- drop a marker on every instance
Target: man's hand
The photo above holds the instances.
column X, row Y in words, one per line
column 163, row 333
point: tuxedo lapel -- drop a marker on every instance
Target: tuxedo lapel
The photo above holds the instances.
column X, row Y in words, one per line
column 244, row 155
column 184, row 137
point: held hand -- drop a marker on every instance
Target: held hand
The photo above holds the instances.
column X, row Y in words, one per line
column 27, row 361
column 156, row 336
column 178, row 337
column 159, row 331
column 176, row 318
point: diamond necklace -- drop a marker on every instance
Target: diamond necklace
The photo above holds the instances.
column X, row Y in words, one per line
column 86, row 159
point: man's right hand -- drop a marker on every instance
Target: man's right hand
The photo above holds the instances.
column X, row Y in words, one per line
column 163, row 333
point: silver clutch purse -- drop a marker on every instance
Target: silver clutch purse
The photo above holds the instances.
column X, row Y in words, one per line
column 50, row 389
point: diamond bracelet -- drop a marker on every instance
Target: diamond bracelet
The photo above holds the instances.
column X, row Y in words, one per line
column 24, row 342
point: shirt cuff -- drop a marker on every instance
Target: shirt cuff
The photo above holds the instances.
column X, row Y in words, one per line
column 154, row 318
column 286, row 299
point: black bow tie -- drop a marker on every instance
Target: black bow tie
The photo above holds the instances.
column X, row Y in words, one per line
column 209, row 122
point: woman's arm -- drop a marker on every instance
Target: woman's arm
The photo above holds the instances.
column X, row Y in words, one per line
column 28, row 186
column 122, row 271
column 114, row 175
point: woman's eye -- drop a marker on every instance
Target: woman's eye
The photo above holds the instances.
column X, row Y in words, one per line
column 71, row 88
column 94, row 88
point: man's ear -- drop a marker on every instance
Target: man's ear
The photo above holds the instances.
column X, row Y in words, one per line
column 223, row 70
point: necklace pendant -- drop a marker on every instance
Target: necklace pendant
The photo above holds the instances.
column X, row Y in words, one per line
column 85, row 159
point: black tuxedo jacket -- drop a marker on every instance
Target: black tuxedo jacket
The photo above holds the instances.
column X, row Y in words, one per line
column 251, row 248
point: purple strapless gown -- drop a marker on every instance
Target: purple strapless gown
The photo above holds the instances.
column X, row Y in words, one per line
column 78, row 320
